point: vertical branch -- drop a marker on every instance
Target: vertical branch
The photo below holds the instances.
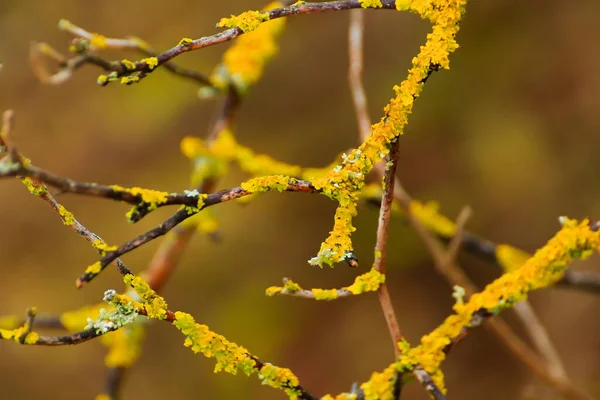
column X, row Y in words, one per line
column 355, row 52
column 381, row 246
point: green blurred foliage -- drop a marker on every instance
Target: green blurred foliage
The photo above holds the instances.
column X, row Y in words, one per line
column 511, row 130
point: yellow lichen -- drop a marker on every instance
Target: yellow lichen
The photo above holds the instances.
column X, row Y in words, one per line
column 325, row 294
column 545, row 267
column 66, row 216
column 370, row 3
column 368, row 282
column 129, row 65
column 128, row 80
column 229, row 356
column 511, row 258
column 278, row 183
column 185, row 42
column 429, row 215
column 151, row 197
column 94, row 269
column 102, row 247
column 247, row 21
column 151, row 62
column 244, row 62
column 35, row 188
column 155, row 305
column 381, row 385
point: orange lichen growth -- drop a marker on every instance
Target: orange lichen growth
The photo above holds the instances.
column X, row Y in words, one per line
column 244, row 62
column 277, row 183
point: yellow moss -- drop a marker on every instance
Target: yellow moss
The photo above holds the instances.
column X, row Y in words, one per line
column 370, row 3
column 151, row 62
column 511, row 258
column 244, row 62
column 94, row 269
column 247, row 21
column 155, row 305
column 368, row 282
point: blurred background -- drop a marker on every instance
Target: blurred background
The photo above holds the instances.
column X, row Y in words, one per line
column 511, row 130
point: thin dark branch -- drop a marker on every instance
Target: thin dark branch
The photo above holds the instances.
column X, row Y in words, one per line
column 230, row 34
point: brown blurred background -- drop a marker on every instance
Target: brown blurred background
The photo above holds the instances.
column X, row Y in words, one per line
column 511, row 130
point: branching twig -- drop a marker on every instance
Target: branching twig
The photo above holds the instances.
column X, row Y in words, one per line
column 120, row 70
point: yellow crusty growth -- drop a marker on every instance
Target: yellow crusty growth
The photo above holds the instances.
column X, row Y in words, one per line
column 367, row 282
column 511, row 258
column 277, row 183
column 102, row 247
column 16, row 334
column 345, row 182
column 547, row 266
column 155, row 305
column 381, row 385
column 370, row 3
column 211, row 158
column 244, row 62
column 152, row 197
column 152, row 62
column 67, row 216
column 35, row 188
column 185, row 42
column 94, row 269
column 247, row 21
column 229, row 356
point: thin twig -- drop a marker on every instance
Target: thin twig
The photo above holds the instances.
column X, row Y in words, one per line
column 359, row 98
column 227, row 35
